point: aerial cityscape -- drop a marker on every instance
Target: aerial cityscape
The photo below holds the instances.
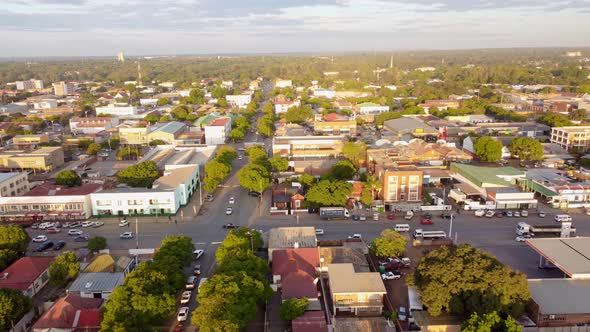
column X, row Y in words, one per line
column 297, row 166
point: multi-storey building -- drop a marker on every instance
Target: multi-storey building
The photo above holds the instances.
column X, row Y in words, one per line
column 217, row 131
column 43, row 159
column 402, row 187
column 92, row 125
column 29, row 85
column 241, row 100
column 118, row 109
column 282, row 106
column 63, row 88
column 572, row 138
column 13, row 184
column 355, row 293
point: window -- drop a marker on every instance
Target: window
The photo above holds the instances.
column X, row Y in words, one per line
column 103, row 203
column 134, row 202
column 297, row 204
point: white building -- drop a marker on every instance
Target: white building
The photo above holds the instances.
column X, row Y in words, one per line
column 371, row 108
column 325, row 93
column 283, row 83
column 45, row 104
column 119, row 109
column 217, row 131
column 148, row 101
column 282, row 106
column 92, row 125
column 241, row 100
column 168, row 85
column 168, row 193
column 227, row 84
column 29, row 85
column 63, row 88
column 13, row 184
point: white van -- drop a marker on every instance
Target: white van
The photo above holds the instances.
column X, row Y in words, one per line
column 201, row 282
column 562, row 217
column 401, row 228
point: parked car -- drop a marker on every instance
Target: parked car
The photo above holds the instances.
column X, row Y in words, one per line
column 254, row 193
column 319, row 231
column 75, row 232
column 229, row 211
column 428, row 215
column 186, row 297
column 53, row 230
column 480, row 213
column 446, row 215
column 355, row 217
column 500, row 214
column 516, row 214
column 524, row 213
column 87, row 223
column 75, row 224
column 390, row 216
column 523, row 238
column 198, row 253
column 191, row 282
column 425, row 221
column 44, row 246
column 210, row 198
column 402, row 314
column 229, row 226
column 126, row 235
column 66, row 224
column 123, row 223
column 59, row 245
column 182, row 314
column 231, row 200
column 509, row 214
column 35, row 225
column 81, row 238
column 363, row 217
column 355, row 236
column 40, row 238
column 490, row 214
column 392, row 275
column 197, row 270
column 541, row 214
column 98, row 224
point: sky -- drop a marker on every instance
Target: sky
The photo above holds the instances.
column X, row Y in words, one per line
column 40, row 28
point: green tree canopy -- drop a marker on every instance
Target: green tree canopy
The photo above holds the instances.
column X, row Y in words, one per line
column 241, row 240
column 464, row 279
column 97, row 243
column 139, row 175
column 157, row 142
column 386, row 116
column 210, row 184
column 355, row 152
column 68, row 178
column 367, row 195
column 293, row 308
column 237, row 134
column 243, row 260
column 65, row 267
column 488, row 149
column 491, row 322
column 343, row 170
column 279, row 163
column 226, row 154
column 298, row 114
column 388, row 244
column 217, row 170
column 13, row 306
column 556, row 120
column 307, row 180
column 93, row 149
column 265, row 125
column 151, row 118
column 13, row 240
column 256, row 154
column 254, row 177
column 526, row 148
column 578, row 115
column 329, row 193
column 163, row 101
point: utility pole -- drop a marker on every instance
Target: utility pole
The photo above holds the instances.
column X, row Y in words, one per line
column 136, row 234
column 451, row 227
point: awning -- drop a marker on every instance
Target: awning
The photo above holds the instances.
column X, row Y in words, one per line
column 467, row 189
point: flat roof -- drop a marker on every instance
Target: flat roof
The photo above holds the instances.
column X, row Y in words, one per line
column 6, row 176
column 344, row 279
column 571, row 255
column 574, row 129
column 561, row 296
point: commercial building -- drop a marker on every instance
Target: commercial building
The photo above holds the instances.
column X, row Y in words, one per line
column 92, row 125
column 572, row 138
column 282, row 106
column 14, row 108
column 558, row 190
column 45, row 104
column 406, row 129
column 63, row 89
column 31, row 84
column 355, row 293
column 28, row 275
column 49, row 202
column 240, row 101
column 402, row 188
column 27, row 142
column 167, row 131
column 290, row 237
column 13, row 184
column 217, row 131
column 118, row 109
column 371, row 108
column 559, row 302
column 570, row 255
column 43, row 159
column 335, row 124
column 99, row 285
column 302, row 147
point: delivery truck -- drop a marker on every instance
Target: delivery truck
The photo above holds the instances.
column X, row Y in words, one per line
column 328, row 213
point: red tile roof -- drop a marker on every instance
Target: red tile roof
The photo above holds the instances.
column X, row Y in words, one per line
column 23, row 272
column 71, row 311
column 287, row 261
column 299, row 284
column 53, row 190
column 219, row 122
column 310, row 321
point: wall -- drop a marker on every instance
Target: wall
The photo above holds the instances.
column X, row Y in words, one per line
column 127, row 203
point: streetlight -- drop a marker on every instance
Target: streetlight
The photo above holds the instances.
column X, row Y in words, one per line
column 136, row 234
column 451, row 227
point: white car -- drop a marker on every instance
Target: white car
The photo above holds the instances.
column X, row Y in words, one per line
column 490, row 214
column 87, row 223
column 123, row 222
column 126, row 235
column 75, row 232
column 319, row 231
column 46, row 225
column 390, row 276
column 182, row 314
column 98, row 224
column 524, row 213
column 198, row 253
column 186, row 297
column 401, row 314
column 355, row 236
column 480, row 213
column 40, row 238
column 229, row 211
column 522, row 238
column 542, row 214
column 231, row 200
column 516, row 214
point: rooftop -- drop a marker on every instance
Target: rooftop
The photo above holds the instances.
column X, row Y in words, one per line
column 54, row 190
column 487, row 176
column 574, row 129
column 168, row 127
column 409, row 125
column 288, row 237
column 561, row 296
column 219, row 122
column 175, row 177
column 344, row 279
column 107, row 263
column 571, row 255
column 97, row 281
column 22, row 273
column 6, row 176
column 290, row 260
column 71, row 311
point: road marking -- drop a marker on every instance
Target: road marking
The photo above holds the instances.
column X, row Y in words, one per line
column 216, row 242
column 200, row 243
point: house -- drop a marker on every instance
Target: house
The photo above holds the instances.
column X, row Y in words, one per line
column 217, row 131
column 92, row 125
column 97, row 285
column 558, row 303
column 28, row 275
column 108, row 263
column 45, row 104
column 291, row 237
column 310, row 321
column 295, row 274
column 283, row 105
column 71, row 314
column 355, row 293
column 283, row 83
column 286, row 198
column 240, row 101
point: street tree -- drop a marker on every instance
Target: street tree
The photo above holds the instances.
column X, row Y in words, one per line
column 329, row 193
column 388, row 244
column 163, row 101
column 239, row 240
column 210, row 184
column 254, row 177
column 556, row 120
column 68, row 178
column 298, row 114
column 367, row 195
column 265, row 125
column 278, row 163
column 13, row 240
column 65, row 267
column 97, row 243
column 139, row 175
column 491, row 322
column 293, row 308
column 268, row 108
column 343, row 170
column 13, row 306
column 244, row 260
column 156, row 142
column 236, row 134
column 488, row 149
column 354, row 151
column 463, row 279
column 255, row 154
column 217, row 170
column 526, row 148
column 226, row 154
column 93, row 149
column 578, row 115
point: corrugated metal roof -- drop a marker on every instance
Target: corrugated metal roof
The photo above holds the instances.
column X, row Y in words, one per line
column 343, row 279
column 571, row 255
column 99, row 281
column 561, row 296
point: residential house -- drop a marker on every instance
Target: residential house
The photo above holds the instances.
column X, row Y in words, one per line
column 295, row 274
column 310, row 321
column 355, row 293
column 289, row 238
column 71, row 314
column 97, row 285
column 572, row 138
column 92, row 125
column 283, row 105
column 14, row 184
column 28, row 275
column 286, row 198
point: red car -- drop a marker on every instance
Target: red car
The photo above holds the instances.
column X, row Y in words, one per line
column 426, row 221
column 391, row 216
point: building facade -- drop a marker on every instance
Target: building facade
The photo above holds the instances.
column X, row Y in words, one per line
column 355, row 293
column 402, row 187
column 217, row 131
column 572, row 138
column 42, row 159
column 301, row 147
column 13, row 184
column 63, row 89
column 31, row 84
column 118, row 110
column 240, row 101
